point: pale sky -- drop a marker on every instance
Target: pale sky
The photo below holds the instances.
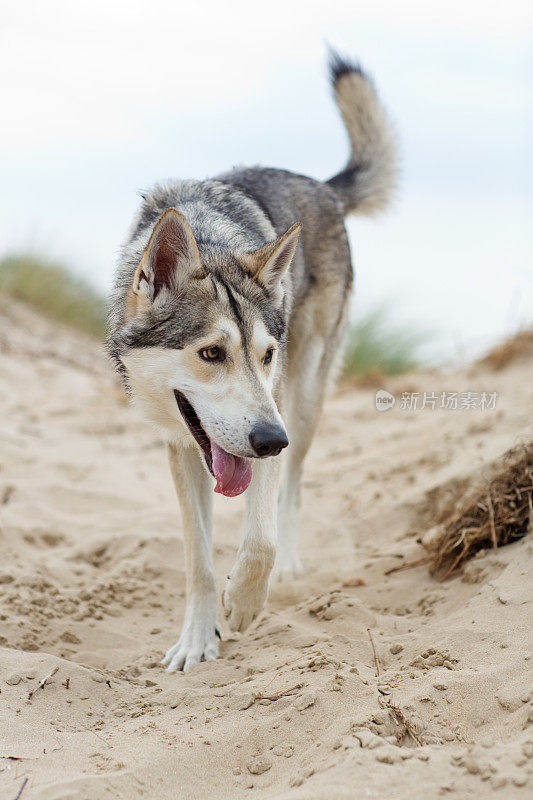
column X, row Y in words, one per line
column 102, row 99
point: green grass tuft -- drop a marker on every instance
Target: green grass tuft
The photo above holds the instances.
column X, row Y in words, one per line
column 376, row 348
column 54, row 290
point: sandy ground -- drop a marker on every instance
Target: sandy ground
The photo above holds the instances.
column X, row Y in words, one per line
column 92, row 582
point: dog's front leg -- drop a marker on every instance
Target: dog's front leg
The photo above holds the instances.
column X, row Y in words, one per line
column 199, row 636
column 247, row 585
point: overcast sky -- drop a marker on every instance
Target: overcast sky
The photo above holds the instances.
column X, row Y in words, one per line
column 104, row 98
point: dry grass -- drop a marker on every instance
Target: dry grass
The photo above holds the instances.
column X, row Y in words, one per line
column 512, row 349
column 497, row 514
column 55, row 291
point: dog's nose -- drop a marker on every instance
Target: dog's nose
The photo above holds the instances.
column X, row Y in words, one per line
column 268, row 440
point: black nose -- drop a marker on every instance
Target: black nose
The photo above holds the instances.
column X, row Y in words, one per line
column 268, row 440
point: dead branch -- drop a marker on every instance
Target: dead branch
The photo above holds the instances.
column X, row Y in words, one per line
column 277, row 695
column 19, row 793
column 399, row 718
column 407, row 565
column 395, row 711
column 492, row 527
column 43, row 682
column 376, row 657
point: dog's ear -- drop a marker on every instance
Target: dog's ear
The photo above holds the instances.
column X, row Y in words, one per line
column 268, row 264
column 170, row 260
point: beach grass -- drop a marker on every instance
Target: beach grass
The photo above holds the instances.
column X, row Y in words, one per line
column 54, row 290
column 378, row 347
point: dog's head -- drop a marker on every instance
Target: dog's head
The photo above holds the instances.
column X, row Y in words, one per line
column 200, row 345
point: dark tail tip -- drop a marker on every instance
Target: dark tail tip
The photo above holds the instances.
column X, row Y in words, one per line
column 340, row 65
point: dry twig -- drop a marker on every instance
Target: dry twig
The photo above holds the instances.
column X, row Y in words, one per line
column 395, row 711
column 399, row 718
column 407, row 565
column 376, row 657
column 277, row 695
column 42, row 683
column 90, row 730
column 19, row 793
column 492, row 528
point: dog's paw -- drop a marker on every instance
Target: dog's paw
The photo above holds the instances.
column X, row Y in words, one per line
column 245, row 595
column 198, row 642
column 287, row 567
column 190, row 649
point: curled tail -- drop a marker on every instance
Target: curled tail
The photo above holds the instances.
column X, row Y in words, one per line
column 367, row 182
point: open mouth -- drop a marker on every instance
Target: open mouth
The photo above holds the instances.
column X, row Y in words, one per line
column 232, row 473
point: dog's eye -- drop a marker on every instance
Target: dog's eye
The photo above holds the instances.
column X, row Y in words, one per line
column 268, row 355
column 213, row 353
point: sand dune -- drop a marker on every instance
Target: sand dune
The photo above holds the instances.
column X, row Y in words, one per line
column 92, row 582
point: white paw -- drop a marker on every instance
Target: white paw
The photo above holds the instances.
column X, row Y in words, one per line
column 198, row 642
column 287, row 567
column 246, row 592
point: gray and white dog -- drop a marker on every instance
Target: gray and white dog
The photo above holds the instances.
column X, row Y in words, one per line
column 228, row 309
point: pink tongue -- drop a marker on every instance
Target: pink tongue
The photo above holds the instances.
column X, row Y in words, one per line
column 233, row 473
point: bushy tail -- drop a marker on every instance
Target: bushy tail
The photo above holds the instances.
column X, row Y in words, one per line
column 367, row 182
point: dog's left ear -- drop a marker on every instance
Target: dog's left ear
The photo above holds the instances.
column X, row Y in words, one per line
column 268, row 264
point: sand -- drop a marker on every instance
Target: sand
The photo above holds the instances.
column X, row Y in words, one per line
column 92, row 583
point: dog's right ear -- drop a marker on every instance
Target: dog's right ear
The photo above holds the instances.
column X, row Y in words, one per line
column 170, row 260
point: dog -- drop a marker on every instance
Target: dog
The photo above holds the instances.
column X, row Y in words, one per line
column 227, row 315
